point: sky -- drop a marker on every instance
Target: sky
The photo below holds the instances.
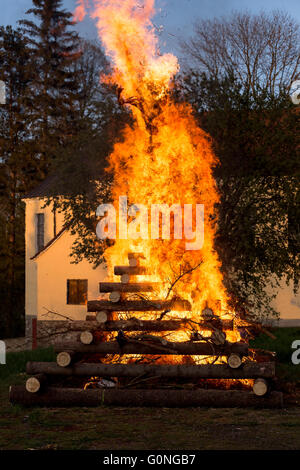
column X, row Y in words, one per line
column 176, row 16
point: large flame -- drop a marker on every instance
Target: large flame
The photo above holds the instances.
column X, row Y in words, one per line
column 164, row 158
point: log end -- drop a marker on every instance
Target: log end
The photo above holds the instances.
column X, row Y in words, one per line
column 64, row 358
column 33, row 385
column 234, row 361
column 115, row 296
column 125, row 278
column 86, row 337
column 260, row 387
column 101, row 316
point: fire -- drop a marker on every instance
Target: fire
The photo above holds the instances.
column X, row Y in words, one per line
column 164, row 158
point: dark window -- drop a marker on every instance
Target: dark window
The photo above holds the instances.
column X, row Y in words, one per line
column 40, row 237
column 77, row 291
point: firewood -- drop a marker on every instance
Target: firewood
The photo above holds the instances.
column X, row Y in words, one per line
column 134, row 324
column 265, row 352
column 268, row 333
column 249, row 370
column 259, row 327
column 234, row 361
column 125, row 278
column 133, row 262
column 156, row 348
column 139, row 305
column 159, row 397
column 207, row 313
column 101, row 316
column 36, row 383
column 136, row 256
column 86, row 337
column 64, row 358
column 130, row 270
column 90, row 318
column 129, row 287
column 115, row 297
column 218, row 337
column 201, row 348
column 155, row 339
column 260, row 387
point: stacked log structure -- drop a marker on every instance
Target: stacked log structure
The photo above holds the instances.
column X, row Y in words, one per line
column 132, row 336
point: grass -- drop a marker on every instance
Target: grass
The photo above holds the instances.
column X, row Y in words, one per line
column 16, row 361
column 286, row 370
column 148, row 428
column 282, row 344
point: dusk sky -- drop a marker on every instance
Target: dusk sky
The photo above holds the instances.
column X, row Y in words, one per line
column 176, row 16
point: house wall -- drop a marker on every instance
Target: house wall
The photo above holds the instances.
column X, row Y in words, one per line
column 54, row 267
column 288, row 304
column 47, row 273
column 34, row 206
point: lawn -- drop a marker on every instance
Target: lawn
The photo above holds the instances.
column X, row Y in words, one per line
column 152, row 428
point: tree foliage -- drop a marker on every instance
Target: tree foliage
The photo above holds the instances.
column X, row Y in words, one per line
column 256, row 140
column 54, row 86
column 18, row 167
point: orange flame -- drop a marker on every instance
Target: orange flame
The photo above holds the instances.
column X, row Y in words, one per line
column 80, row 10
column 164, row 158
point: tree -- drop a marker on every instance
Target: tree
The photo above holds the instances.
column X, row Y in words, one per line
column 256, row 140
column 19, row 169
column 54, row 86
column 262, row 50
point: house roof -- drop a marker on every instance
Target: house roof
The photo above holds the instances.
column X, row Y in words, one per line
column 50, row 243
column 49, row 187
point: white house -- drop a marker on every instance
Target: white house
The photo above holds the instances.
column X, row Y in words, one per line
column 55, row 284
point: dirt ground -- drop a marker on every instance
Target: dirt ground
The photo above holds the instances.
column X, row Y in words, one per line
column 146, row 428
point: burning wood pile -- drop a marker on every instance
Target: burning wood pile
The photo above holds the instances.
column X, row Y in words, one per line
column 184, row 339
column 118, row 364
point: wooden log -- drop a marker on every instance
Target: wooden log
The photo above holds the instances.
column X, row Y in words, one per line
column 130, row 270
column 133, row 262
column 139, row 305
column 207, row 313
column 134, row 259
column 201, row 348
column 129, row 287
column 101, row 317
column 36, row 383
column 90, row 318
column 64, row 358
column 134, row 324
column 159, row 397
column 157, row 347
column 86, row 337
column 218, row 337
column 260, row 387
column 125, row 278
column 249, row 370
column 234, row 361
column 114, row 296
column 137, row 255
